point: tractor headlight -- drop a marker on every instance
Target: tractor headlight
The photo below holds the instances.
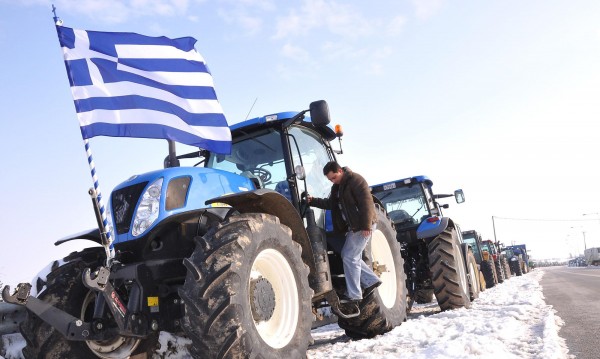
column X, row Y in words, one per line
column 148, row 209
column 110, row 228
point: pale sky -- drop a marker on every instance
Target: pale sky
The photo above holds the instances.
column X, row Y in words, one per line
column 499, row 98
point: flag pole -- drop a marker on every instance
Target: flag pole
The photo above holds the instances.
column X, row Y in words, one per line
column 99, row 209
column 95, row 192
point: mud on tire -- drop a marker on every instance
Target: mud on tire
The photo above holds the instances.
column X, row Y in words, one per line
column 65, row 290
column 449, row 277
column 385, row 308
column 246, row 293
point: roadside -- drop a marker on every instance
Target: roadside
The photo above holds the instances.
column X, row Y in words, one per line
column 573, row 292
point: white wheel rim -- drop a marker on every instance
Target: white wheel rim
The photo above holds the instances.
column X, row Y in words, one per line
column 280, row 328
column 461, row 269
column 474, row 279
column 382, row 255
column 119, row 347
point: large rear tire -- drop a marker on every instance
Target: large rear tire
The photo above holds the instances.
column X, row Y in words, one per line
column 451, row 287
column 246, row 293
column 499, row 271
column 385, row 308
column 489, row 273
column 66, row 291
column 506, row 267
column 515, row 267
column 482, row 285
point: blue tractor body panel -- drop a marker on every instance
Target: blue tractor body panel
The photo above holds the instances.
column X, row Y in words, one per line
column 265, row 121
column 408, row 180
column 204, row 184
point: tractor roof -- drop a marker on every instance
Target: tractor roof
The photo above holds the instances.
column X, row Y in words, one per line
column 470, row 232
column 401, row 182
column 277, row 118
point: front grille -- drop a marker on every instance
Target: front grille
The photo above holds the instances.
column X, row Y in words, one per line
column 124, row 201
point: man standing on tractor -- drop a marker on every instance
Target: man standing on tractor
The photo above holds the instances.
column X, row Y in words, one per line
column 353, row 215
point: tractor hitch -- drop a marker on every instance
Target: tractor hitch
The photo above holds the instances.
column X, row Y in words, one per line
column 128, row 319
column 66, row 324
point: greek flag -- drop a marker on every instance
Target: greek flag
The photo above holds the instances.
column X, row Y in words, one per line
column 131, row 85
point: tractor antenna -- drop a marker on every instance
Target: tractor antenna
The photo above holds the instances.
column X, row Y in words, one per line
column 57, row 20
column 251, row 107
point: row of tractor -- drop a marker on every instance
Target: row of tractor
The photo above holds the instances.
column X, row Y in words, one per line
column 228, row 253
column 496, row 261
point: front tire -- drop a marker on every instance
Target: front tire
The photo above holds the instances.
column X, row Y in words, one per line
column 451, row 287
column 385, row 308
column 66, row 291
column 246, row 293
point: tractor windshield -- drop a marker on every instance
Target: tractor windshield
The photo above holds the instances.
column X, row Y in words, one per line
column 485, row 246
column 259, row 157
column 472, row 242
column 405, row 205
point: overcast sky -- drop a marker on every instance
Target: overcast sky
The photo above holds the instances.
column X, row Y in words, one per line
column 499, row 98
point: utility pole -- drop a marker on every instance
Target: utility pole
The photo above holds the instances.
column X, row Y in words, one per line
column 494, row 226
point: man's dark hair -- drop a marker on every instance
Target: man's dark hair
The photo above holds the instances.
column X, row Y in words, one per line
column 331, row 167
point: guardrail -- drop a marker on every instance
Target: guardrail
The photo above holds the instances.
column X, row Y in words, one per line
column 11, row 315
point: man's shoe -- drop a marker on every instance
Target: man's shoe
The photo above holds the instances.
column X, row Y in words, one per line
column 368, row 290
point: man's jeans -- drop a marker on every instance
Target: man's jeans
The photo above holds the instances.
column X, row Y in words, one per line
column 356, row 271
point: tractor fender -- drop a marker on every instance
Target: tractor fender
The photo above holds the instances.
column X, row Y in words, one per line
column 431, row 229
column 90, row 235
column 271, row 202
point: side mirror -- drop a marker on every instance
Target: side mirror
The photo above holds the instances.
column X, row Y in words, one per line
column 319, row 113
column 459, row 195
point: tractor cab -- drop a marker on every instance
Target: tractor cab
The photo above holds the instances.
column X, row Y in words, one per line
column 473, row 239
column 284, row 152
column 411, row 201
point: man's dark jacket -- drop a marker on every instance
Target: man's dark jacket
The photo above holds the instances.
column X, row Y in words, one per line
column 357, row 203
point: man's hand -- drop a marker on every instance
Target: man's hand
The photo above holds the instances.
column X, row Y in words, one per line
column 366, row 233
column 309, row 198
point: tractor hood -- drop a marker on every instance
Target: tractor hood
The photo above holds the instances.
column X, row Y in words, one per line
column 140, row 203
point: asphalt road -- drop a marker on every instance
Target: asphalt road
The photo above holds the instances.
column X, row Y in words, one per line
column 575, row 294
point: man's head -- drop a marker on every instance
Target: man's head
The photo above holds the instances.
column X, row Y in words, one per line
column 334, row 172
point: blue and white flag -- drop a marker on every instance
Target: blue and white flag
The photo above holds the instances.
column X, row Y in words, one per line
column 131, row 85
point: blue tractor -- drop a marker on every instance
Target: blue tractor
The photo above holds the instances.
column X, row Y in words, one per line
column 225, row 252
column 518, row 259
column 436, row 259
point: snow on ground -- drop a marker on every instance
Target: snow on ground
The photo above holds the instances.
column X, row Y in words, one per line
column 510, row 320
